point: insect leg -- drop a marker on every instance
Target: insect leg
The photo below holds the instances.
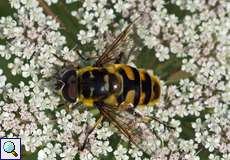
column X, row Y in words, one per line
column 165, row 124
column 69, row 63
column 119, row 58
column 90, row 131
column 125, row 106
column 147, row 118
column 85, row 59
column 158, row 137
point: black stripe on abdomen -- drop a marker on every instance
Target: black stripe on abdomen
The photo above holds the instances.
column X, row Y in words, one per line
column 129, row 85
column 146, row 87
column 157, row 91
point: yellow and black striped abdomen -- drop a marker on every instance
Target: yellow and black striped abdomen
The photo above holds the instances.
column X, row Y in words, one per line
column 138, row 86
column 131, row 85
column 150, row 88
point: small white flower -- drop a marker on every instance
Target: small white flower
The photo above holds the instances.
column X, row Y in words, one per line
column 15, row 4
column 89, row 4
column 136, row 153
column 212, row 143
column 162, row 53
column 69, row 153
column 4, row 52
column 49, row 152
column 103, row 133
column 151, row 41
column 100, row 148
column 86, row 155
column 26, row 70
column 85, row 37
column 121, row 153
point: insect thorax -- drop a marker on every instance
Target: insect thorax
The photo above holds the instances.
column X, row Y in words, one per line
column 98, row 84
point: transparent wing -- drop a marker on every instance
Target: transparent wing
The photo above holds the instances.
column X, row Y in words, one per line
column 132, row 127
column 109, row 54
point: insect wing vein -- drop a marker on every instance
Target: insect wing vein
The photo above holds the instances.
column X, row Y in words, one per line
column 132, row 127
column 109, row 54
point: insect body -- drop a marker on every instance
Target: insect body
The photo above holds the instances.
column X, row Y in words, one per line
column 115, row 90
column 112, row 89
column 114, row 84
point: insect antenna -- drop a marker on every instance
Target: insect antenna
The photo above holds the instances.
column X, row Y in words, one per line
column 58, row 85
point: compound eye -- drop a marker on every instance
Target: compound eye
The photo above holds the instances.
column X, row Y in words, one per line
column 69, row 93
column 69, row 90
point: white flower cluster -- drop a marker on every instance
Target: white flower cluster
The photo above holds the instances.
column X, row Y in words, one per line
column 195, row 38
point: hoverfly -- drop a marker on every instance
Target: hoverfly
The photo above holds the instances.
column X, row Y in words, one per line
column 115, row 90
